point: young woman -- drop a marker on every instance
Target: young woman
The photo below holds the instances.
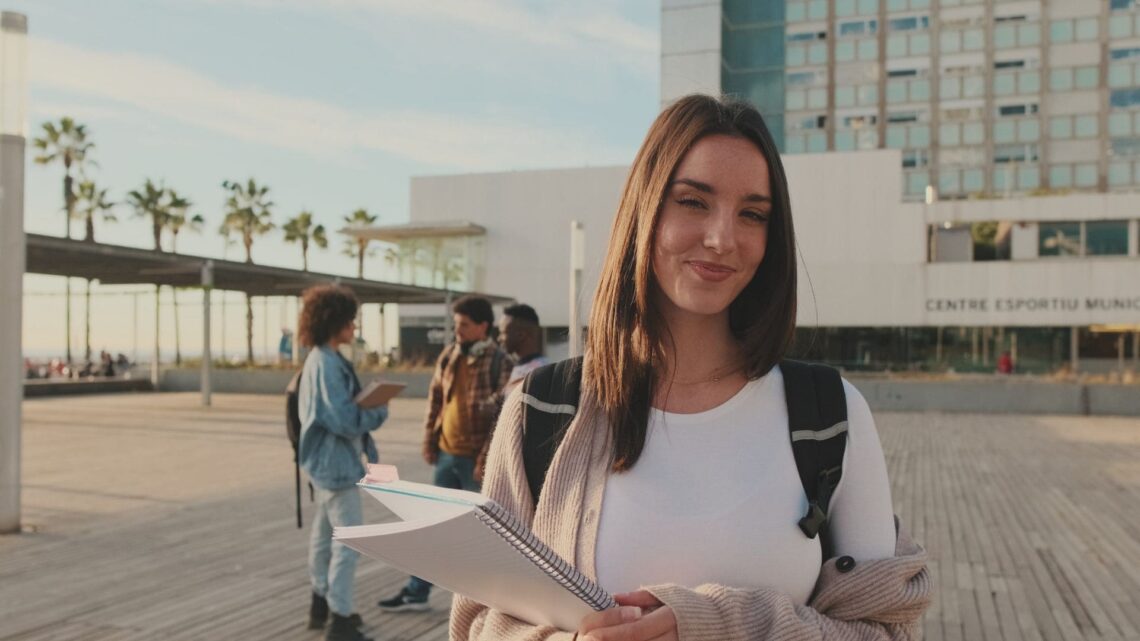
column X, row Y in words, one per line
column 334, row 438
column 675, row 487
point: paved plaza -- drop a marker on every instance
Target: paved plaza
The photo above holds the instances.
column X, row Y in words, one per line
column 150, row 517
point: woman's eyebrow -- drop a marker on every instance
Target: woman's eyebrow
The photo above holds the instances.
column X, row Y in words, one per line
column 708, row 189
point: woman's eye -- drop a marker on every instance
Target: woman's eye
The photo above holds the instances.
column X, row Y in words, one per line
column 757, row 216
column 692, row 203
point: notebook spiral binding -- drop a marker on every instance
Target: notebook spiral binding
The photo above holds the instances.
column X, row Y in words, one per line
column 522, row 539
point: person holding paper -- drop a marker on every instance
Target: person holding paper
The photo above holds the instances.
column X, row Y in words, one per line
column 674, row 487
column 334, row 440
column 463, row 403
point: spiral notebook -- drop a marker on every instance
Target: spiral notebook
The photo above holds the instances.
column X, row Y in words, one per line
column 468, row 544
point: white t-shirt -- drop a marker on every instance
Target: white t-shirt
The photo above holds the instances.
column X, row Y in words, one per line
column 716, row 497
column 519, row 372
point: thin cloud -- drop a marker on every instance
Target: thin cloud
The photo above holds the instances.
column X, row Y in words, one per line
column 451, row 141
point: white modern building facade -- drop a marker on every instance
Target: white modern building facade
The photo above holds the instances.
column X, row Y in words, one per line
column 961, row 186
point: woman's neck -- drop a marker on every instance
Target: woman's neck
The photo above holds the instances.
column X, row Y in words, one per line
column 698, row 347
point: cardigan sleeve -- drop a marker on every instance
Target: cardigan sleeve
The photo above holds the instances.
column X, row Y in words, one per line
column 505, row 483
column 881, row 600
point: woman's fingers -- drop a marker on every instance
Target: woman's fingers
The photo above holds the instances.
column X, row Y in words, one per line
column 640, row 598
column 608, row 618
column 659, row 624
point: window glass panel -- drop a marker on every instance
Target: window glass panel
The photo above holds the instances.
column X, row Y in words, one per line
column 1086, row 77
column 1029, row 130
column 1029, row 82
column 1004, row 84
column 950, row 87
column 1005, row 36
column 1085, row 175
column 973, row 87
column 844, row 8
column 1061, row 79
column 845, row 96
column 1087, row 29
column 845, row 51
column 1058, row 239
column 896, row 137
column 868, row 94
column 948, row 181
column 1106, row 238
column 949, row 135
column 1001, row 176
column 1119, row 124
column 1086, row 126
column 1061, row 127
column 950, row 41
column 795, row 99
column 817, row 142
column 796, row 55
column 917, row 181
column 817, row 53
column 868, row 49
column 973, row 40
column 1029, row 35
column 1061, row 176
column 896, row 46
column 973, row 180
column 817, row 10
column 794, row 143
column 867, row 7
column 1004, row 132
column 920, row 44
column 920, row 136
column 896, row 91
column 1028, row 177
column 1120, row 26
column 973, row 133
column 920, row 90
column 1061, row 31
column 797, row 11
column 817, row 98
column 1120, row 74
column 1119, row 173
column 844, row 140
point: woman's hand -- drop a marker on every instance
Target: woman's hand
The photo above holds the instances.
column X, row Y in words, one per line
column 640, row 617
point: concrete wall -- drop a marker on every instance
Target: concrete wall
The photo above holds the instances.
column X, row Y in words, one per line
column 237, row 381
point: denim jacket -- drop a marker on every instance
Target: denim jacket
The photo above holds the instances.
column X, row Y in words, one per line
column 334, row 430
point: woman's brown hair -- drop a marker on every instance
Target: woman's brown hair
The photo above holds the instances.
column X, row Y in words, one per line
column 326, row 309
column 627, row 333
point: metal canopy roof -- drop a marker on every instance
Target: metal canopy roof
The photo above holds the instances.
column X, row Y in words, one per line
column 396, row 233
column 118, row 265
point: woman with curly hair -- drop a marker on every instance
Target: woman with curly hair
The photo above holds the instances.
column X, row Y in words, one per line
column 334, row 438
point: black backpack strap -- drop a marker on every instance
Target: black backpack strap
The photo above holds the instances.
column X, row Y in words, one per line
column 817, row 422
column 550, row 401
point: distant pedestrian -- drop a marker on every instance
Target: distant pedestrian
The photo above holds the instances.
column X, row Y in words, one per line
column 521, row 335
column 334, row 440
column 1005, row 363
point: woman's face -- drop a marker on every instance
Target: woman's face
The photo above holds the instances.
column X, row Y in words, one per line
column 713, row 227
column 346, row 334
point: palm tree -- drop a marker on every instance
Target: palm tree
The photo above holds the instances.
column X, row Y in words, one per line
column 248, row 213
column 66, row 143
column 151, row 200
column 90, row 202
column 358, row 247
column 176, row 219
column 300, row 229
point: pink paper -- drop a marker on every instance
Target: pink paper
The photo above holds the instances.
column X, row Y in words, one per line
column 381, row 474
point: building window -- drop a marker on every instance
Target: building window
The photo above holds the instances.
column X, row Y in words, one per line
column 1015, row 153
column 1010, row 34
column 1074, row 30
column 1059, row 239
column 1106, row 238
column 1062, row 127
column 1124, row 98
column 1124, row 26
column 1061, row 176
column 858, row 28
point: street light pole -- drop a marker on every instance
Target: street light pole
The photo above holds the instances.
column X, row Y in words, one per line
column 577, row 264
column 13, row 102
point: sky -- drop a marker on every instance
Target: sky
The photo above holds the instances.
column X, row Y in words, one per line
column 334, row 104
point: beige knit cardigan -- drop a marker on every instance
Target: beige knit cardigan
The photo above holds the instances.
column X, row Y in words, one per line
column 878, row 600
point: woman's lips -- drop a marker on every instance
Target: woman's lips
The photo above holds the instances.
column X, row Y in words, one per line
column 711, row 271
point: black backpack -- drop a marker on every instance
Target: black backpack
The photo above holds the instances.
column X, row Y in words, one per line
column 817, row 422
column 293, row 431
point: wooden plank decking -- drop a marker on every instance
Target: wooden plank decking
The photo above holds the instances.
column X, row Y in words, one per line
column 151, row 517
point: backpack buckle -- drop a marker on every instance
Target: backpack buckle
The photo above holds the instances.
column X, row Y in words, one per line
column 813, row 521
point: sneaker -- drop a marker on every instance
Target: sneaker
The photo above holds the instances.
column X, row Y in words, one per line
column 344, row 629
column 405, row 602
column 319, row 614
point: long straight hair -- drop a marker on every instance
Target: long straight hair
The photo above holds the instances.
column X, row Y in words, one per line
column 627, row 332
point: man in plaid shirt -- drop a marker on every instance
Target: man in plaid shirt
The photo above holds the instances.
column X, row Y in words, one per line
column 463, row 404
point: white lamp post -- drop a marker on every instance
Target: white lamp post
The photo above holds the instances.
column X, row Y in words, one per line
column 13, row 105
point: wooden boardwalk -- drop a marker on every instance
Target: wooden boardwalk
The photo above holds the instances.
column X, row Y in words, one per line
column 151, row 517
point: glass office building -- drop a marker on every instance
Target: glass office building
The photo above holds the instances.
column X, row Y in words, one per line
column 983, row 98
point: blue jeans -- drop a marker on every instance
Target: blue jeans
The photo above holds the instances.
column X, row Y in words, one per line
column 454, row 472
column 332, row 565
